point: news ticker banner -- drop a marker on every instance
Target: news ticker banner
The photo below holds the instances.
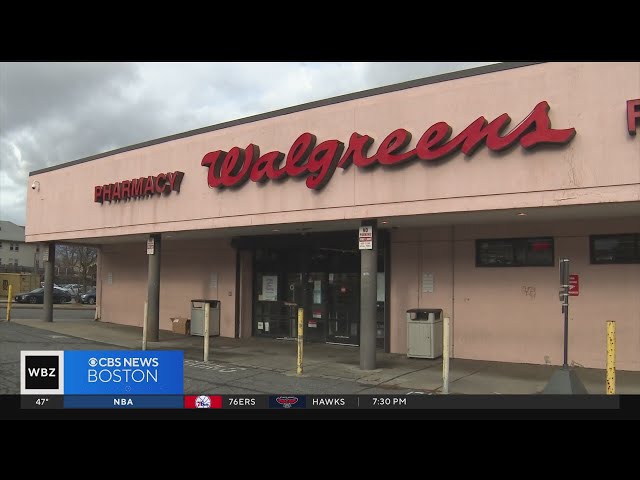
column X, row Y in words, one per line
column 308, row 402
column 148, row 379
column 102, row 372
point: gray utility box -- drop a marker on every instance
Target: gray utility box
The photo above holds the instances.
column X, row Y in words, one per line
column 424, row 332
column 197, row 317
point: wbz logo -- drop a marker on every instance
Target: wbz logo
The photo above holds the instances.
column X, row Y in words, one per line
column 41, row 372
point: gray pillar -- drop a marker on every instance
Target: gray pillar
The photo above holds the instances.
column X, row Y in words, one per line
column 368, row 307
column 47, row 310
column 153, row 293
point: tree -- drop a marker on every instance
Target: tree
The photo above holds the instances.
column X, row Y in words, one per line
column 79, row 259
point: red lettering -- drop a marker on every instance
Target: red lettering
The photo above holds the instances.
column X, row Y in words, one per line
column 357, row 152
column 633, row 115
column 323, row 161
column 299, row 152
column 115, row 194
column 106, row 192
column 258, row 173
column 265, row 165
column 150, row 186
column 273, row 161
column 395, row 141
column 161, row 185
column 139, row 189
column 125, row 189
column 434, row 136
column 212, row 160
column 134, row 188
column 539, row 125
column 470, row 138
column 175, row 180
column 319, row 163
column 237, row 164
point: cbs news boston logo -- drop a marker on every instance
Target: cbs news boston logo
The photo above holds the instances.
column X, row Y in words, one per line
column 91, row 372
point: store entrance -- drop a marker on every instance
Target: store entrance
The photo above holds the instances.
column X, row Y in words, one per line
column 319, row 273
column 331, row 301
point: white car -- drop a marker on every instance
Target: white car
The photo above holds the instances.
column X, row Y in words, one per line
column 72, row 288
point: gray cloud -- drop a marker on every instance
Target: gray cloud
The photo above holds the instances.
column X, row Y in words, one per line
column 51, row 113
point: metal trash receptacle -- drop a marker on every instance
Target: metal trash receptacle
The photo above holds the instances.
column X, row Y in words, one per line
column 424, row 332
column 197, row 317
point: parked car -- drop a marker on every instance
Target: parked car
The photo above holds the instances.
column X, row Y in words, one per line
column 72, row 288
column 89, row 297
column 37, row 296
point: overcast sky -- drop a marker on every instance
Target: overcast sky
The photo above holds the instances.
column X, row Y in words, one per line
column 52, row 113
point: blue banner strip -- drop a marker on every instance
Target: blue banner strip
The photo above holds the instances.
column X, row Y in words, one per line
column 117, row 401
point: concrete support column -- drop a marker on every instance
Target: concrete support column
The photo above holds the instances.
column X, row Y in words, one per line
column 368, row 306
column 49, row 262
column 98, row 313
column 153, row 285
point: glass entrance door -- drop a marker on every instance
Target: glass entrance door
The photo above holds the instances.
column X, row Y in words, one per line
column 343, row 308
column 319, row 273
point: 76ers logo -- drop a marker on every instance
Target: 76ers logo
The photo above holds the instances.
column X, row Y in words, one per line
column 203, row 401
column 286, row 402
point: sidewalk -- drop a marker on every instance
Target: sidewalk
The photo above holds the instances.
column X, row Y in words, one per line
column 342, row 362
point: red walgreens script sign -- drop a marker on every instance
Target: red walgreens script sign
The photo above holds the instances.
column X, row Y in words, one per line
column 319, row 162
column 574, row 285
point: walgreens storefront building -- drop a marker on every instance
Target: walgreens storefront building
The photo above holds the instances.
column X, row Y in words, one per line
column 470, row 186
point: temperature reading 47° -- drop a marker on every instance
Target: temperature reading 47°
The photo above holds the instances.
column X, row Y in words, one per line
column 41, row 401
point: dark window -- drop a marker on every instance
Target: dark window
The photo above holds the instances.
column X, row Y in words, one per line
column 17, row 247
column 515, row 252
column 11, row 246
column 623, row 248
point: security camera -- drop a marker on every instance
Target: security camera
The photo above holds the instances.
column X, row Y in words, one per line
column 35, row 185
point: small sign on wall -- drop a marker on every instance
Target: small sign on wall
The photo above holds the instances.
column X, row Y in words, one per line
column 45, row 253
column 427, row 283
column 109, row 278
column 150, row 246
column 365, row 238
column 213, row 281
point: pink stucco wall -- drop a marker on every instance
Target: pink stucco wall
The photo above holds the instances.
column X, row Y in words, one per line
column 513, row 314
column 186, row 268
column 599, row 165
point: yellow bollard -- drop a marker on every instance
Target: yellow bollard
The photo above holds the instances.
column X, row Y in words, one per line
column 300, row 338
column 9, row 298
column 611, row 357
